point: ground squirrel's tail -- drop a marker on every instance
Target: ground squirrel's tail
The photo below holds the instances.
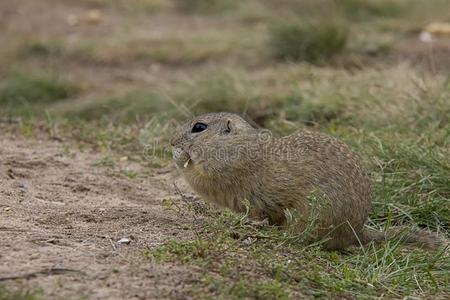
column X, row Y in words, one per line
column 417, row 237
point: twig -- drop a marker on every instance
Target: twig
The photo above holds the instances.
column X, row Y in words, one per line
column 112, row 243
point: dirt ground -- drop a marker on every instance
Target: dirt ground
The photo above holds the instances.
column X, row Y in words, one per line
column 62, row 217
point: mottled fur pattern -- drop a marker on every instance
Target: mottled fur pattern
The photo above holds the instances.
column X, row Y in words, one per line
column 230, row 162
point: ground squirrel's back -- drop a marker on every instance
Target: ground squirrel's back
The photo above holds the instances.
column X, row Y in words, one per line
column 331, row 180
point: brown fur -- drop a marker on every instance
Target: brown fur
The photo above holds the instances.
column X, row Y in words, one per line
column 310, row 175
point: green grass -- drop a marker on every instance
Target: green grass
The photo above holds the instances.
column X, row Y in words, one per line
column 187, row 49
column 40, row 49
column 24, row 93
column 216, row 92
column 124, row 108
column 363, row 10
column 56, row 50
column 412, row 182
column 133, row 7
column 205, row 6
column 6, row 294
column 310, row 42
column 240, row 259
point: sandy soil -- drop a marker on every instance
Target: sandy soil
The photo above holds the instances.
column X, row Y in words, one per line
column 61, row 217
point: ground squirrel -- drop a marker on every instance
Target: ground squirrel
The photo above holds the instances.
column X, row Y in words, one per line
column 300, row 179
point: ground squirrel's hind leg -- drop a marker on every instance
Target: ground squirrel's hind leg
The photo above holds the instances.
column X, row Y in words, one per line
column 417, row 237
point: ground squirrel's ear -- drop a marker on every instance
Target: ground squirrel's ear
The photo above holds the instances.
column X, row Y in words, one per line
column 236, row 126
column 228, row 126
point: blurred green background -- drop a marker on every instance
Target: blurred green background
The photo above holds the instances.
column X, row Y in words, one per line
column 283, row 63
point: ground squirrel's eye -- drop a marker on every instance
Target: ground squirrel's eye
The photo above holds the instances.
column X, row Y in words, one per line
column 199, row 127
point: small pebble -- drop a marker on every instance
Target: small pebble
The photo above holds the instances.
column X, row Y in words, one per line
column 425, row 37
column 7, row 208
column 124, row 241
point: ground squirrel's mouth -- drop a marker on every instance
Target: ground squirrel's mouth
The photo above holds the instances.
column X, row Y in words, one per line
column 181, row 157
column 184, row 159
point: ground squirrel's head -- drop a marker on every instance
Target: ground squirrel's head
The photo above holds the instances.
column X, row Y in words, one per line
column 205, row 135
